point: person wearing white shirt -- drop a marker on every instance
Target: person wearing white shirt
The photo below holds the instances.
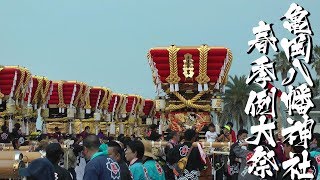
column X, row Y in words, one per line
column 211, row 135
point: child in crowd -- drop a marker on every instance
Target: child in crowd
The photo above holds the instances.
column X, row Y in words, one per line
column 211, row 135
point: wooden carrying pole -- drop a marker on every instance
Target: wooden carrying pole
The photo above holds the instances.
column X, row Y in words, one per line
column 13, row 155
column 9, row 169
column 195, row 144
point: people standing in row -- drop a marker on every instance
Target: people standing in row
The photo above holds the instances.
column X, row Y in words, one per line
column 107, row 161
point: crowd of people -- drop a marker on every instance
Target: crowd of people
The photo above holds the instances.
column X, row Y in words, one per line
column 107, row 157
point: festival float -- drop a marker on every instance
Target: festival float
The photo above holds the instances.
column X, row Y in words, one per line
column 116, row 116
column 35, row 98
column 62, row 106
column 148, row 114
column 133, row 110
column 80, row 102
column 94, row 111
column 16, row 84
column 149, row 111
column 14, row 81
column 188, row 81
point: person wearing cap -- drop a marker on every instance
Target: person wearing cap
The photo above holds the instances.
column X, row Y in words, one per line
column 225, row 136
column 233, row 134
column 134, row 154
column 116, row 153
column 54, row 153
column 39, row 169
column 154, row 169
column 100, row 165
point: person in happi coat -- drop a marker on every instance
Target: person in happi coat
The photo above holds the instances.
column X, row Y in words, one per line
column 245, row 164
column 4, row 135
column 100, row 166
column 17, row 135
column 238, row 153
column 39, row 169
column 134, row 154
column 154, row 169
column 54, row 153
column 173, row 140
column 194, row 164
column 116, row 153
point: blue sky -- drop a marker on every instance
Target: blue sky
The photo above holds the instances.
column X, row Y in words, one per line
column 104, row 42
